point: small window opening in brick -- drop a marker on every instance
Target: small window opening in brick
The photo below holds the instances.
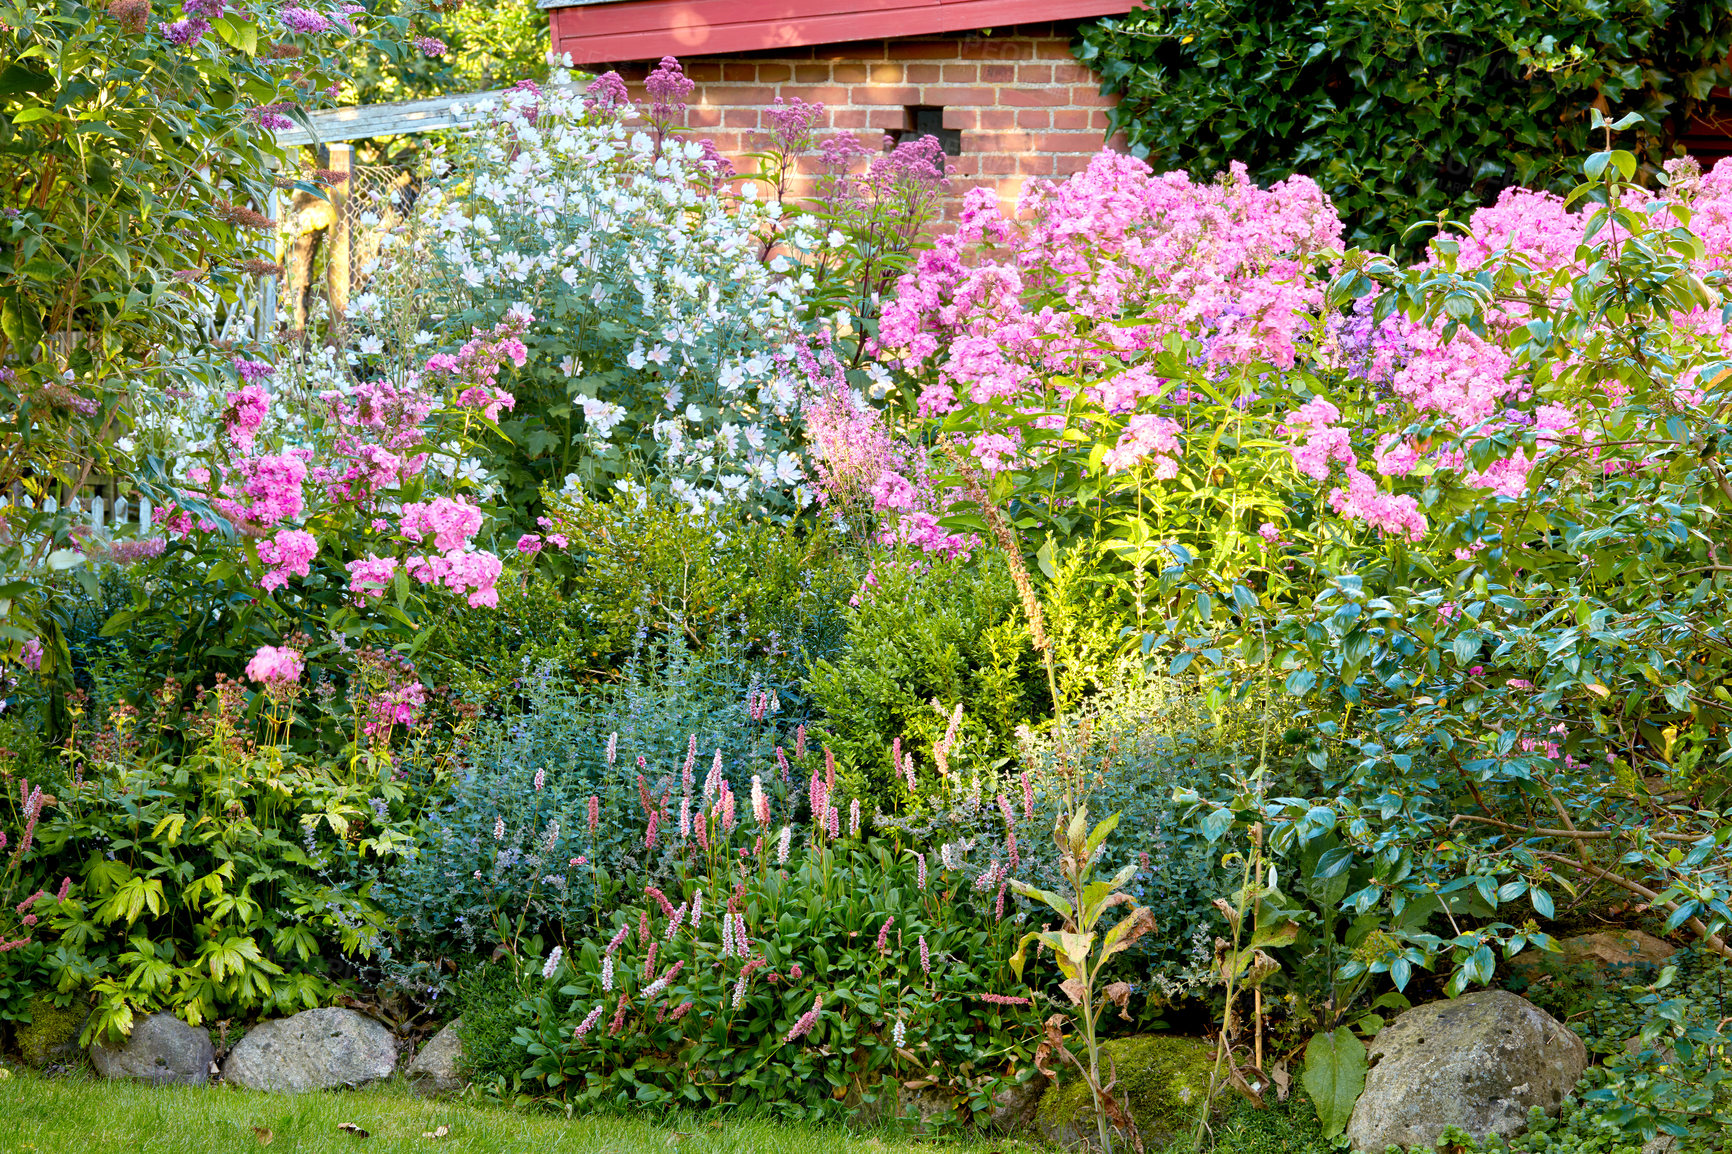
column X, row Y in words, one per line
column 928, row 120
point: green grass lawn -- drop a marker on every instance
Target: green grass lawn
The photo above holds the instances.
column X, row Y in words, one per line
column 87, row 1116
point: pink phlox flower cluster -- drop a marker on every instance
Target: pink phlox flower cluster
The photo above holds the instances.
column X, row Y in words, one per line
column 1225, row 262
column 451, row 520
column 289, row 553
column 371, row 575
column 474, row 369
column 472, row 574
column 1324, row 442
column 1389, row 513
column 275, row 665
column 1146, row 438
column 244, row 414
column 263, row 491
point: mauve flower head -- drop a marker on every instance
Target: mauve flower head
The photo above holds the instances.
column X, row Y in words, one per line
column 607, row 92
column 31, row 654
column 792, row 123
column 529, row 544
column 668, row 88
column 588, row 1022
column 304, row 21
column 185, row 33
column 430, row 47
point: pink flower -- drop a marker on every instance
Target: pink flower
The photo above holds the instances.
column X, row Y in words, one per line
column 371, row 575
column 809, row 1019
column 290, row 552
column 31, row 654
column 529, row 544
column 275, row 666
column 1267, row 531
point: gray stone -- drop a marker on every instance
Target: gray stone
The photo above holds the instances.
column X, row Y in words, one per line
column 1480, row 1062
column 1013, row 1107
column 436, row 1069
column 313, row 1050
column 161, row 1049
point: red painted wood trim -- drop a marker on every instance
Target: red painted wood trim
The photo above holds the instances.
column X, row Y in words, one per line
column 651, row 29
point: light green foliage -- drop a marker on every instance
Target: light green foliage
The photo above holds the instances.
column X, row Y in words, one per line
column 1162, row 1078
column 487, row 995
column 921, row 632
column 1334, row 1076
column 657, row 566
column 94, row 1117
column 489, row 44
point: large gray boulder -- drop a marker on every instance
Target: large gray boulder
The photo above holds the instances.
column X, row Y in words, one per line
column 435, row 1070
column 313, row 1050
column 161, row 1049
column 1480, row 1062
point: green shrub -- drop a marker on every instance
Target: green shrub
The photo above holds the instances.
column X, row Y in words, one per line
column 487, row 997
column 924, row 637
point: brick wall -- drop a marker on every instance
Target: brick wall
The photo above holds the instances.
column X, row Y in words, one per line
column 1022, row 103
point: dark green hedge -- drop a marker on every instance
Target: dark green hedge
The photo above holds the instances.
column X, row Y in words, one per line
column 1401, row 110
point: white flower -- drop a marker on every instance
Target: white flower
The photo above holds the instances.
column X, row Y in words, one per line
column 371, row 346
column 835, row 239
column 660, row 354
column 552, row 962
column 471, row 470
column 636, row 359
column 694, row 414
column 788, row 468
column 571, row 367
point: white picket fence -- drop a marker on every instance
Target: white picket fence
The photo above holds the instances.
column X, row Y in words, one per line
column 96, row 511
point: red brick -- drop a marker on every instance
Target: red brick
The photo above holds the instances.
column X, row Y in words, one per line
column 814, row 73
column 1090, row 97
column 1099, row 120
column 851, row 72
column 742, row 94
column 998, row 163
column 1034, row 164
column 1011, row 142
column 922, row 73
column 1034, row 118
column 878, row 95
column 886, row 73
column 1118, row 143
column 998, row 73
column 1052, row 50
column 700, row 116
column 827, row 94
column 947, row 96
column 740, row 117
column 775, row 73
column 922, row 49
column 1072, row 119
column 961, row 73
column 997, row 119
column 847, row 118
column 963, row 118
column 1034, row 97
column 702, row 71
column 887, row 119
column 738, row 72
column 1072, row 73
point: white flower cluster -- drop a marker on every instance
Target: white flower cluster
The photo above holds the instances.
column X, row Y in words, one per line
column 661, row 324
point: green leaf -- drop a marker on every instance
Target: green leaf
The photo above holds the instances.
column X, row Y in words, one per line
column 1334, row 1077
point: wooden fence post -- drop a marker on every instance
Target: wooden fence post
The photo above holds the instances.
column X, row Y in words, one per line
column 337, row 258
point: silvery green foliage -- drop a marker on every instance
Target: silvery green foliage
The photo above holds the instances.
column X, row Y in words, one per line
column 662, row 352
